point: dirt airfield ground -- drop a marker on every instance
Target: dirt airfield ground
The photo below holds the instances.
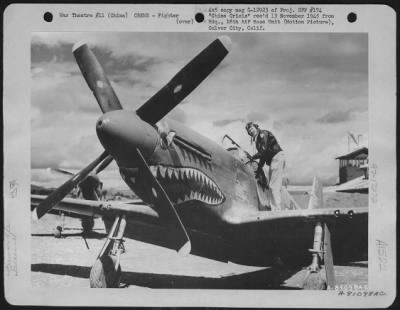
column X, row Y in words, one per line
column 66, row 262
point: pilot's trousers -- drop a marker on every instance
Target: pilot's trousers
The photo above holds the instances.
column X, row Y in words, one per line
column 276, row 173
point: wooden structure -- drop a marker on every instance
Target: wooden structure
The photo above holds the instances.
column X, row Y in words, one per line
column 352, row 165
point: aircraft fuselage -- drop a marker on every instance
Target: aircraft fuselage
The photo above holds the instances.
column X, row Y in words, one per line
column 205, row 182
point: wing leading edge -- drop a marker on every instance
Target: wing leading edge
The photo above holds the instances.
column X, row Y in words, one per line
column 100, row 208
column 238, row 218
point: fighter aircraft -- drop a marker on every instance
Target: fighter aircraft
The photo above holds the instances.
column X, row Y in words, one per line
column 197, row 197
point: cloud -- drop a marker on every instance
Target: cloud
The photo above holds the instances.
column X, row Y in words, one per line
column 178, row 115
column 224, row 122
column 256, row 117
column 278, row 125
column 335, row 117
column 291, row 83
column 117, row 65
column 253, row 116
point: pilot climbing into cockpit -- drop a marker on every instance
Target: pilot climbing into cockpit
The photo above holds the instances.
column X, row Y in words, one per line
column 270, row 153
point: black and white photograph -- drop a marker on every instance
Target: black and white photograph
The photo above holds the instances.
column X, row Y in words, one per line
column 200, row 156
column 213, row 147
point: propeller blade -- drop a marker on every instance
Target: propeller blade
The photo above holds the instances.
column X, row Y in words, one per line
column 104, row 164
column 59, row 170
column 96, row 78
column 56, row 196
column 166, row 208
column 185, row 81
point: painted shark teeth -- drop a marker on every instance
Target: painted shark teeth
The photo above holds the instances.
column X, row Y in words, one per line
column 153, row 170
column 170, row 173
column 206, row 190
column 162, row 171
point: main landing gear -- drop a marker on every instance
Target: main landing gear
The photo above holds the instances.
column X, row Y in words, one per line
column 316, row 279
column 60, row 226
column 86, row 222
column 106, row 271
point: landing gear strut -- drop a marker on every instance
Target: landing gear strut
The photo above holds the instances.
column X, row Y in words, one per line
column 321, row 254
column 60, row 226
column 106, row 271
column 87, row 225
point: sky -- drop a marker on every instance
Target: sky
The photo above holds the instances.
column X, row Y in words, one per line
column 308, row 89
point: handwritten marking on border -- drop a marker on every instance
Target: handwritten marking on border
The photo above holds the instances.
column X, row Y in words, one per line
column 361, row 293
column 373, row 172
column 10, row 252
column 13, row 188
column 382, row 254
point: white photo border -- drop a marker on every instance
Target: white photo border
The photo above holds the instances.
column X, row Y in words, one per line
column 21, row 20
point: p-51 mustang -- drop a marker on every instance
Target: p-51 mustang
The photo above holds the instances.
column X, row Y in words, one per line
column 197, row 197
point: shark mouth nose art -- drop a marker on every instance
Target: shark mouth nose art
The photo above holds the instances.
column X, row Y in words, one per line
column 186, row 184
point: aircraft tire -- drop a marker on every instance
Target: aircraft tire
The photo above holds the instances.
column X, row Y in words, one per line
column 103, row 274
column 87, row 225
column 57, row 232
column 314, row 281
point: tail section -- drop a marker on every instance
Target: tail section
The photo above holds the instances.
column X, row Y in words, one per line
column 288, row 203
column 316, row 197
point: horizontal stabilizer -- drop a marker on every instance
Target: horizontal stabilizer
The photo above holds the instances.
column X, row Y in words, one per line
column 59, row 170
column 316, row 197
column 186, row 249
column 288, row 202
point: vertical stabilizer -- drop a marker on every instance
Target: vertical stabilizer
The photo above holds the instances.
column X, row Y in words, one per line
column 316, row 197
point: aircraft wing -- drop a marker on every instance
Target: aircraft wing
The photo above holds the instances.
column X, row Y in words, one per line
column 302, row 215
column 291, row 232
column 80, row 207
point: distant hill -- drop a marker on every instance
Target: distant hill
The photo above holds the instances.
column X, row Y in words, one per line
column 110, row 193
column 117, row 194
column 40, row 190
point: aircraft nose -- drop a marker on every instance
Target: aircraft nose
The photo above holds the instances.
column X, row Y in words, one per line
column 121, row 132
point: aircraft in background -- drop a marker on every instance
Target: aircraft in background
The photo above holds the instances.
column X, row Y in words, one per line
column 197, row 197
column 90, row 188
